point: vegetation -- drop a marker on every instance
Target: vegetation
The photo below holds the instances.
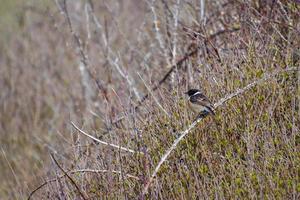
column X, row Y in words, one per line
column 92, row 97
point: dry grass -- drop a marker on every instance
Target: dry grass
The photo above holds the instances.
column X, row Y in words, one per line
column 91, row 63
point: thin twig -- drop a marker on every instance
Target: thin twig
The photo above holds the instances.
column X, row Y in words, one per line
column 102, row 142
column 79, row 171
column 155, row 99
column 218, row 104
column 175, row 32
column 11, row 168
column 158, row 34
column 174, row 42
column 202, row 11
column 83, row 56
column 69, row 177
column 125, row 75
column 113, row 61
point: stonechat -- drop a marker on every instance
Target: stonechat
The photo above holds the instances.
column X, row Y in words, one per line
column 199, row 103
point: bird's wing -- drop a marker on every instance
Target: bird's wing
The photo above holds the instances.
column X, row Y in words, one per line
column 201, row 99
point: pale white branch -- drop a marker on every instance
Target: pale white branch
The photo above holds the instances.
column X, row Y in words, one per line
column 158, row 34
column 104, row 143
column 126, row 76
column 102, row 171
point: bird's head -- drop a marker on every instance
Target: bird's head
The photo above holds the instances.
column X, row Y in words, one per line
column 191, row 92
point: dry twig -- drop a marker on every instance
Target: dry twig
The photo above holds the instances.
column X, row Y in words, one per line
column 69, row 177
column 102, row 142
column 155, row 99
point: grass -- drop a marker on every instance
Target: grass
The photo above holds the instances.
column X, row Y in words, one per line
column 91, row 63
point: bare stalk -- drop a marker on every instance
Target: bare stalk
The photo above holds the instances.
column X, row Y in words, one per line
column 113, row 61
column 126, row 77
column 69, row 177
column 202, row 10
column 158, row 34
column 104, row 143
column 175, row 33
column 84, row 66
column 155, row 99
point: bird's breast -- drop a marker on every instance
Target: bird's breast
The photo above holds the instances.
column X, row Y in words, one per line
column 196, row 107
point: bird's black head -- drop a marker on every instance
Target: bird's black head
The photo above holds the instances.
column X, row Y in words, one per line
column 191, row 92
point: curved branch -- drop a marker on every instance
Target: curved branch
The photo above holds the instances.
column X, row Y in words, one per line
column 102, row 142
column 69, row 177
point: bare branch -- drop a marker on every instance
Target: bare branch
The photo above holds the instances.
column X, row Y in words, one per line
column 202, row 10
column 158, row 32
column 125, row 76
column 155, row 99
column 102, row 142
column 84, row 66
column 69, row 177
column 175, row 32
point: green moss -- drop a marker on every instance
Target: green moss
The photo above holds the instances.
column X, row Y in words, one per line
column 203, row 169
column 298, row 187
column 259, row 73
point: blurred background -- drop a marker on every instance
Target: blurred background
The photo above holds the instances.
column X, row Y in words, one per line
column 119, row 70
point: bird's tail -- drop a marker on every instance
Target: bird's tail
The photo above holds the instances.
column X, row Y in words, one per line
column 204, row 113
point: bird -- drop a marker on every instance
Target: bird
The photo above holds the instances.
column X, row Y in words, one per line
column 199, row 103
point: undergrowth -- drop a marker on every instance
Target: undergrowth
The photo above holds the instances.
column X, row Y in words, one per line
column 119, row 70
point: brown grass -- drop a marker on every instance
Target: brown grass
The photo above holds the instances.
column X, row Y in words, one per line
column 103, row 65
